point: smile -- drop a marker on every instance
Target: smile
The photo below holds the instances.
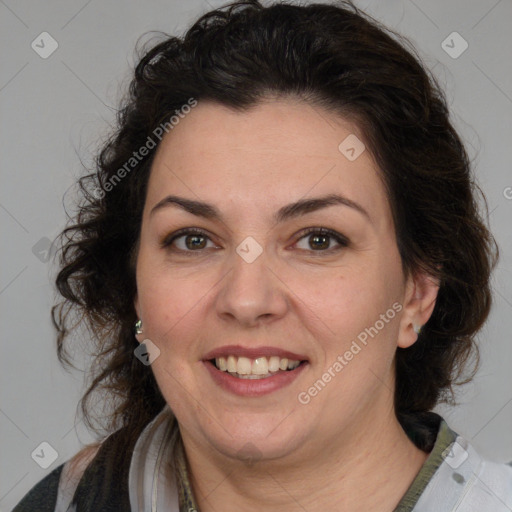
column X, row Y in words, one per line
column 259, row 368
column 253, row 384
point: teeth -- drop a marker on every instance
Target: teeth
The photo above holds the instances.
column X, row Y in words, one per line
column 293, row 364
column 243, row 366
column 260, row 367
column 273, row 364
column 231, row 364
column 251, row 377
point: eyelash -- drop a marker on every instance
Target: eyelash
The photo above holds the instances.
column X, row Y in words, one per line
column 342, row 241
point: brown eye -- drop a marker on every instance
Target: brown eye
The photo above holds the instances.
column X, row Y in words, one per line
column 195, row 241
column 321, row 240
column 187, row 240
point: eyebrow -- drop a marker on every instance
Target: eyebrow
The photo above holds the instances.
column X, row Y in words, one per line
column 287, row 212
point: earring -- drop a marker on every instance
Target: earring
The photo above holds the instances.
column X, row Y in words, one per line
column 138, row 327
column 417, row 328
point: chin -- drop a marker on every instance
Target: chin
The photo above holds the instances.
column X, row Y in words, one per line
column 248, row 440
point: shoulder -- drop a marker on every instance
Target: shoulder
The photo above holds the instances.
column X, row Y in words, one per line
column 488, row 481
column 104, row 482
column 467, row 481
column 489, row 484
column 496, row 479
column 78, row 476
column 43, row 496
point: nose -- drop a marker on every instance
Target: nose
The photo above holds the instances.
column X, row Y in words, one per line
column 252, row 293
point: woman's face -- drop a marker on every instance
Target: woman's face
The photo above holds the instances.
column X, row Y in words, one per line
column 251, row 285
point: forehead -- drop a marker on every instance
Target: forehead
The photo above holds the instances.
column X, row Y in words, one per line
column 277, row 152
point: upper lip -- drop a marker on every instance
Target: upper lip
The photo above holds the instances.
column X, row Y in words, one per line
column 253, row 353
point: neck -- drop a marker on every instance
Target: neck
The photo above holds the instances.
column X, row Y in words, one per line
column 371, row 469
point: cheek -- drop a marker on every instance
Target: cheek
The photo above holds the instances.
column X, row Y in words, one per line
column 169, row 298
column 343, row 301
column 176, row 387
column 359, row 350
column 358, row 313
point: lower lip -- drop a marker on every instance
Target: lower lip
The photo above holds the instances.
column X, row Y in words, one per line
column 253, row 387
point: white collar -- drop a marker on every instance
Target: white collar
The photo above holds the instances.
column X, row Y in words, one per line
column 152, row 478
column 465, row 482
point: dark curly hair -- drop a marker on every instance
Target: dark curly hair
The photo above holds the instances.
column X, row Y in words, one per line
column 332, row 56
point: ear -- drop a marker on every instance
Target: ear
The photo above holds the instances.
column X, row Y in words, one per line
column 420, row 299
column 136, row 305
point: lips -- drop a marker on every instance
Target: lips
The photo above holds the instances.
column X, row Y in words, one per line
column 253, row 353
column 252, row 382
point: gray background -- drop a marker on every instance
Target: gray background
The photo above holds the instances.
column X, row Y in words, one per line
column 56, row 110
